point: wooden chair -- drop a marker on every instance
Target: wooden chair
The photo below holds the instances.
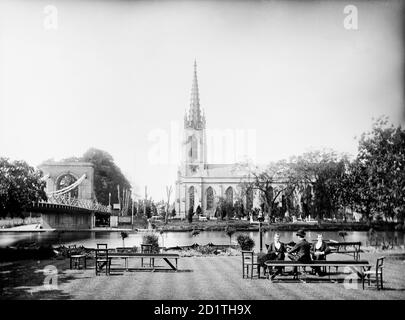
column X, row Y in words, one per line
column 147, row 248
column 72, row 249
column 248, row 264
column 102, row 260
column 378, row 272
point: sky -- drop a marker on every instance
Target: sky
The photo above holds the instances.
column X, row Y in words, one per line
column 283, row 77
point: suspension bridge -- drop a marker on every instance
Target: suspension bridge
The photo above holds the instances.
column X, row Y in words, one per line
column 71, row 203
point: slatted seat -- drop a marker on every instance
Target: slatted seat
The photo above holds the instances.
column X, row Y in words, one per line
column 249, row 264
column 378, row 273
column 102, row 259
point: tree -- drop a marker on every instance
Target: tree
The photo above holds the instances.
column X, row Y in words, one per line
column 272, row 181
column 355, row 191
column 239, row 209
column 173, row 214
column 198, row 211
column 107, row 175
column 229, row 232
column 382, row 157
column 190, row 214
column 322, row 172
column 225, row 208
column 20, row 185
column 123, row 236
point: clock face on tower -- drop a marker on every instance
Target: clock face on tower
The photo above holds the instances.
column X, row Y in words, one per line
column 193, row 169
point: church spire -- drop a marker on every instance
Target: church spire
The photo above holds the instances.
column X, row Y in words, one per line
column 195, row 119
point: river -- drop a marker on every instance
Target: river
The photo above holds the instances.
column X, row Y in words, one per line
column 90, row 239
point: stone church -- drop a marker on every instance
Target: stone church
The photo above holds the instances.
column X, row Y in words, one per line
column 198, row 182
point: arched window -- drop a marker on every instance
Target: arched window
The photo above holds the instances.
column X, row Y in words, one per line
column 66, row 180
column 229, row 195
column 210, row 198
column 191, row 197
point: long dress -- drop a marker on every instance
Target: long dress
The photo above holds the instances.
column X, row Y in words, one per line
column 316, row 247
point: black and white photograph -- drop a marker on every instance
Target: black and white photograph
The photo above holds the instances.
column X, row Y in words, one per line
column 202, row 151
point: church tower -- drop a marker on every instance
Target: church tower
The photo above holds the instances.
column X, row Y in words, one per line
column 194, row 139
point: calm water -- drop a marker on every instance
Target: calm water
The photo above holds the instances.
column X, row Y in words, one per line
column 171, row 239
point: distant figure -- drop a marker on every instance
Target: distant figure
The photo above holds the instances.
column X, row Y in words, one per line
column 319, row 251
column 301, row 252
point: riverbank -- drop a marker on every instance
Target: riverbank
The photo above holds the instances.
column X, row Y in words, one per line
column 242, row 225
column 211, row 278
column 219, row 225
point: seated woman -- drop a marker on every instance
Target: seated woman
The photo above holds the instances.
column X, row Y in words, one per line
column 319, row 251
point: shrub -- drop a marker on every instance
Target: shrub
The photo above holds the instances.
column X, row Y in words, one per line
column 399, row 227
column 245, row 242
column 229, row 232
column 206, row 249
column 152, row 239
column 123, row 236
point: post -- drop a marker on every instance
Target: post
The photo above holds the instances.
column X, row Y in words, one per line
column 144, row 203
column 118, row 192
column 132, row 218
column 260, row 235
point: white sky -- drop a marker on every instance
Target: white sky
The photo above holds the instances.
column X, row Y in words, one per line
column 113, row 73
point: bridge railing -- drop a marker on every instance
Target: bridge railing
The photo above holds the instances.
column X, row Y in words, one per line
column 65, row 199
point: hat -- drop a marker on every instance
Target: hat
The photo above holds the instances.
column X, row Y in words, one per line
column 301, row 233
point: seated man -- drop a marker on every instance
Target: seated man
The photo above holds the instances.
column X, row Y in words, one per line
column 277, row 251
column 319, row 251
column 301, row 252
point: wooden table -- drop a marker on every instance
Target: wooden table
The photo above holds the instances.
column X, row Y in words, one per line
column 165, row 256
column 358, row 266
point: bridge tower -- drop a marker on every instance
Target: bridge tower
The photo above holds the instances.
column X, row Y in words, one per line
column 69, row 185
column 61, row 174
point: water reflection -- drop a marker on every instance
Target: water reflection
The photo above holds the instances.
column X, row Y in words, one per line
column 171, row 239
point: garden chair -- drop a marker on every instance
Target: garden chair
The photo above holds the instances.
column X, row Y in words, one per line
column 248, row 264
column 102, row 259
column 72, row 249
column 378, row 272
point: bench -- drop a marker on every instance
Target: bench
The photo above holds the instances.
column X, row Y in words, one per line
column 165, row 256
column 359, row 266
column 342, row 247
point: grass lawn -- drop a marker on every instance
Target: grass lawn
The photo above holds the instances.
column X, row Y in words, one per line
column 216, row 277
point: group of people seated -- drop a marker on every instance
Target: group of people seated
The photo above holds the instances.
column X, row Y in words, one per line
column 302, row 251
